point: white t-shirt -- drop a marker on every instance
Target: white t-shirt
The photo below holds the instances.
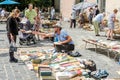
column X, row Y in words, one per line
column 3, row 13
column 73, row 15
column 53, row 12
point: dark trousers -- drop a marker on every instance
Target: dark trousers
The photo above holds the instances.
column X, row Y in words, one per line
column 11, row 54
column 73, row 21
column 64, row 48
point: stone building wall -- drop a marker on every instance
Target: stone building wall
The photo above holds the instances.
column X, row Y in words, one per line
column 66, row 7
column 112, row 4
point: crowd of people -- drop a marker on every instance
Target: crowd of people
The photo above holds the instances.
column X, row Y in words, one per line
column 62, row 41
column 31, row 23
column 84, row 16
column 93, row 16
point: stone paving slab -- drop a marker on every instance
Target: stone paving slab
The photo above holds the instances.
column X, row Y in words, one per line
column 14, row 71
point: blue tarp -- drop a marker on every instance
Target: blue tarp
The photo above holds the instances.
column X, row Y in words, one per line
column 8, row 2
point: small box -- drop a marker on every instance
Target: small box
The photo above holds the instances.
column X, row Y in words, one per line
column 45, row 71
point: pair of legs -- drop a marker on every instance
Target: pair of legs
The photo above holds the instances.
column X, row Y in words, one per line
column 52, row 16
column 73, row 21
column 96, row 27
column 37, row 31
column 110, row 34
column 11, row 54
column 110, row 31
column 64, row 48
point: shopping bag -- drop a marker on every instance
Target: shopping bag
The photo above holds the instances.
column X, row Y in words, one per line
column 13, row 47
column 20, row 34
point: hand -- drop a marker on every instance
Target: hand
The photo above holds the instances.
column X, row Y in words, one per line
column 11, row 37
column 60, row 43
column 22, row 30
column 33, row 32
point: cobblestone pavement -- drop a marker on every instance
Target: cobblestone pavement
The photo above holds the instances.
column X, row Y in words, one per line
column 18, row 71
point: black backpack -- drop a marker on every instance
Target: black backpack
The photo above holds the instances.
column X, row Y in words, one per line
column 91, row 67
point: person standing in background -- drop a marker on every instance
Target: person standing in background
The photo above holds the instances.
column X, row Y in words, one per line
column 2, row 13
column 30, row 14
column 12, row 31
column 97, row 20
column 52, row 13
column 37, row 23
column 96, row 11
column 73, row 19
column 111, row 24
column 90, row 17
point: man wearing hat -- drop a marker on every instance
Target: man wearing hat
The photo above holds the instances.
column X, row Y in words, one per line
column 62, row 41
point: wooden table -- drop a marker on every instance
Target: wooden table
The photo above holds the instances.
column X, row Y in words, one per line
column 104, row 46
column 96, row 44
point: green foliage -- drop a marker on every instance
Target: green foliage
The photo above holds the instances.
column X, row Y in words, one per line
column 43, row 3
column 24, row 3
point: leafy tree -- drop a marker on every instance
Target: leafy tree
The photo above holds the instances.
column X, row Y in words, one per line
column 24, row 3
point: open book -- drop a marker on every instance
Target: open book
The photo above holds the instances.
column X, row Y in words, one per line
column 57, row 43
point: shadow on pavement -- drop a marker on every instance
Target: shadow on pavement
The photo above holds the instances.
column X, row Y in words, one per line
column 4, row 54
column 20, row 62
column 104, row 52
column 2, row 30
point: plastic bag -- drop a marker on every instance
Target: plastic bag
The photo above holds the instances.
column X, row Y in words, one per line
column 20, row 34
column 13, row 47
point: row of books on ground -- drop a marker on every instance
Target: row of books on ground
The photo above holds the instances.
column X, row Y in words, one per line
column 55, row 66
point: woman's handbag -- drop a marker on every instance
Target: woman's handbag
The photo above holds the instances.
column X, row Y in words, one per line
column 13, row 47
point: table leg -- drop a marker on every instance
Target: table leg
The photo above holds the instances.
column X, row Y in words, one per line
column 108, row 53
column 96, row 48
column 85, row 45
column 115, row 55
